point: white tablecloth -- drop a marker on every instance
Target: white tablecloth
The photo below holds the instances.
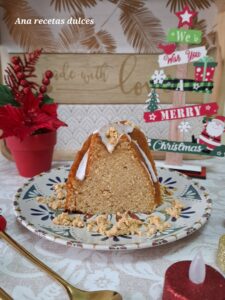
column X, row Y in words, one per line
column 137, row 275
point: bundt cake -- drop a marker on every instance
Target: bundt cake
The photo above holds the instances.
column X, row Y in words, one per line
column 113, row 172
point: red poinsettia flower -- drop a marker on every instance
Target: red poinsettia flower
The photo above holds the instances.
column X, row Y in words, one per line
column 26, row 119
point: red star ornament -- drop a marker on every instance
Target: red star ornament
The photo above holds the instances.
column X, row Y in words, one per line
column 185, row 16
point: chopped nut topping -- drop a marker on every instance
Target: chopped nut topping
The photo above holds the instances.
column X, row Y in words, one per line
column 175, row 210
column 112, row 135
column 165, row 191
column 62, row 219
column 66, row 220
column 154, row 224
column 177, row 204
column 125, row 225
column 41, row 199
column 57, row 200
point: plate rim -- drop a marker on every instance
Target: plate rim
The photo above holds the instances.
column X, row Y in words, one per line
column 113, row 247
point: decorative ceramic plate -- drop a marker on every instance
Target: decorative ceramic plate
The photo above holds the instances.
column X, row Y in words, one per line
column 38, row 217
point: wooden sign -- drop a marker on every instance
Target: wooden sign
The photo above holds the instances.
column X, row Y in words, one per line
column 175, row 113
column 184, row 36
column 103, row 78
column 183, row 85
column 182, row 57
column 184, row 147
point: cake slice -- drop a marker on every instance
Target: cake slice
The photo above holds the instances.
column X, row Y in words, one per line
column 113, row 172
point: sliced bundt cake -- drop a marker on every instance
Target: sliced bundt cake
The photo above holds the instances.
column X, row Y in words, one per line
column 113, row 172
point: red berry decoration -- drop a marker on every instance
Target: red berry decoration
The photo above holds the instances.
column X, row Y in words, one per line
column 33, row 111
column 15, row 60
column 31, row 56
column 46, row 81
column 20, row 72
column 43, row 89
column 24, row 83
column 20, row 75
column 26, row 90
column 49, row 74
column 17, row 68
column 40, row 97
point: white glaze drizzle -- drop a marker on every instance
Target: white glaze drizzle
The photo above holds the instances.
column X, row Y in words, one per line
column 147, row 163
column 81, row 171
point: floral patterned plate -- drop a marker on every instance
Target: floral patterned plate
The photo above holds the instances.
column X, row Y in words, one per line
column 38, row 217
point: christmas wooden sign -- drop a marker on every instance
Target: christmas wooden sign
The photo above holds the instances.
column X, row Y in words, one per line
column 181, row 112
column 184, row 36
column 176, row 84
column 208, row 141
column 182, row 57
column 185, row 147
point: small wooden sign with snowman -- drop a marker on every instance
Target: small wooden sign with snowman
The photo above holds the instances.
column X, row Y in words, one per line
column 209, row 140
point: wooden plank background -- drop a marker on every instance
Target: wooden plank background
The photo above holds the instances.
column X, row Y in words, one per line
column 105, row 78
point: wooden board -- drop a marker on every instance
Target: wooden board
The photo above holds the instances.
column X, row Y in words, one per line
column 105, row 78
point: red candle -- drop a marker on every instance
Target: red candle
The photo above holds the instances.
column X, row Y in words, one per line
column 178, row 285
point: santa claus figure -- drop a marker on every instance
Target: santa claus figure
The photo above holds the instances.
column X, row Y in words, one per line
column 210, row 136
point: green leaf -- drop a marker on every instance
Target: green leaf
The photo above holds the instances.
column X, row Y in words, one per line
column 6, row 96
column 47, row 99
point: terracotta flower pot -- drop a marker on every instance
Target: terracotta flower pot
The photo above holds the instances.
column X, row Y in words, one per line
column 34, row 154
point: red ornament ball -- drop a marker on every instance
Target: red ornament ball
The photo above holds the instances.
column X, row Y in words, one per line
column 43, row 89
column 46, row 81
column 49, row 74
column 15, row 60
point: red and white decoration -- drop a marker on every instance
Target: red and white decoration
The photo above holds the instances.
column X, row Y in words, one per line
column 186, row 17
column 182, row 57
column 199, row 73
column 210, row 138
column 158, row 77
column 168, row 48
column 175, row 113
column 212, row 132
